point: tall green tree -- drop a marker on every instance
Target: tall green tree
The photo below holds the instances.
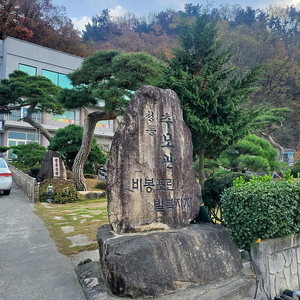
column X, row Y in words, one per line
column 37, row 93
column 273, row 120
column 214, row 101
column 67, row 141
column 110, row 76
column 30, row 154
column 252, row 153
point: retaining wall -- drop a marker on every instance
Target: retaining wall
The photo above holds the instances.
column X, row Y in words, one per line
column 277, row 265
column 26, row 183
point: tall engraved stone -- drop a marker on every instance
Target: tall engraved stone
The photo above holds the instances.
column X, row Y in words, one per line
column 150, row 179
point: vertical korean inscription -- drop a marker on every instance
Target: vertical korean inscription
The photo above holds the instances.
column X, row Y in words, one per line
column 56, row 167
column 151, row 183
column 165, row 195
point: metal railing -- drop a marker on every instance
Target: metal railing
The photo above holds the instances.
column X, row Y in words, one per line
column 26, row 183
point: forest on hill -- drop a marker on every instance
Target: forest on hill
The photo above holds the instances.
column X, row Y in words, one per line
column 269, row 37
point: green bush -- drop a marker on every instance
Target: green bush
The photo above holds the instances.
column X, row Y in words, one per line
column 296, row 164
column 30, row 154
column 69, row 174
column 295, row 170
column 101, row 185
column 20, row 166
column 89, row 168
column 34, row 171
column 214, row 187
column 261, row 210
column 64, row 191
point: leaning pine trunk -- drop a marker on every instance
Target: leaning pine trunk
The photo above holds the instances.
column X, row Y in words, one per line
column 85, row 149
column 42, row 130
column 275, row 145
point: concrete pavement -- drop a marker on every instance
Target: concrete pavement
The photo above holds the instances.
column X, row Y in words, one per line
column 30, row 266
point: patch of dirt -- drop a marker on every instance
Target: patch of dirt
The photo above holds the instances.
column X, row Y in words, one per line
column 90, row 183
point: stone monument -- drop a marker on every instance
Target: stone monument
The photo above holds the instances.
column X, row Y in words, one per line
column 150, row 248
column 151, row 182
column 52, row 167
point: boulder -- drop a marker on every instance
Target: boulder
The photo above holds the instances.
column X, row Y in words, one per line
column 143, row 265
column 49, row 170
column 151, row 182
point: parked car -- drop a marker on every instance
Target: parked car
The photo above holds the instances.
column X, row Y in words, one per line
column 102, row 174
column 5, row 177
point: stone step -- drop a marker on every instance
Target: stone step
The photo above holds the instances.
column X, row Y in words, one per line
column 238, row 287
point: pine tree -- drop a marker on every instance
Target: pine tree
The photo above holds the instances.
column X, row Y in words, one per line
column 110, row 76
column 214, row 100
column 37, row 93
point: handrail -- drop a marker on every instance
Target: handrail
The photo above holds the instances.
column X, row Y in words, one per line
column 28, row 184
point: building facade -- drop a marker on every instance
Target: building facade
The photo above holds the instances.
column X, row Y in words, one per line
column 38, row 60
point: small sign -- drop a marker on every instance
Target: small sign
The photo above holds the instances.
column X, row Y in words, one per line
column 56, row 168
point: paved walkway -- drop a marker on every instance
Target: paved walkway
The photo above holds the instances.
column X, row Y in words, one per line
column 30, row 266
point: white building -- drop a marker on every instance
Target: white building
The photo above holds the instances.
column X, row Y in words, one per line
column 38, row 60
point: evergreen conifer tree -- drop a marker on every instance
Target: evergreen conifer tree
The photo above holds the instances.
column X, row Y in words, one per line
column 215, row 101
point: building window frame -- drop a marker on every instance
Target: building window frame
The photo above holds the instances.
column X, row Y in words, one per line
column 30, row 70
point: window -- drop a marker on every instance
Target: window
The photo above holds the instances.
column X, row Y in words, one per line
column 17, row 135
column 2, row 164
column 23, row 136
column 53, row 76
column 20, row 138
column 64, row 81
column 28, row 69
column 67, row 115
column 16, row 115
column 59, row 79
column 105, row 124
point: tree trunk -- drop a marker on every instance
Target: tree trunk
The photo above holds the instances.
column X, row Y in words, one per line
column 28, row 119
column 85, row 149
column 268, row 137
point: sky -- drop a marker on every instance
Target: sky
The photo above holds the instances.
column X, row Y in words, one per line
column 81, row 11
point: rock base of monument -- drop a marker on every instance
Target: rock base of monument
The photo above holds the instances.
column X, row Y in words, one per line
column 164, row 262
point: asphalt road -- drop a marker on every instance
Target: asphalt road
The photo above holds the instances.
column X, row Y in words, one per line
column 30, row 266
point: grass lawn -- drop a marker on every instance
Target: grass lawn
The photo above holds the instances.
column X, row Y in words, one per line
column 83, row 217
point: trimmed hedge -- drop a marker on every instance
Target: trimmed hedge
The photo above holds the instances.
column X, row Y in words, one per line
column 69, row 174
column 90, row 176
column 261, row 210
column 34, row 171
column 64, row 191
column 101, row 185
column 213, row 189
column 295, row 170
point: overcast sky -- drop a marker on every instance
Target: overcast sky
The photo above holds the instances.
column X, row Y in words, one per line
column 80, row 11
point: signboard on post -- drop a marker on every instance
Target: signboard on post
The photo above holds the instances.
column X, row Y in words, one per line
column 56, row 168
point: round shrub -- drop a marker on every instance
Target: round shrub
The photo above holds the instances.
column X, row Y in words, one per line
column 261, row 210
column 64, row 191
column 69, row 174
column 90, row 176
column 101, row 185
column 295, row 170
column 89, row 168
column 34, row 171
column 213, row 189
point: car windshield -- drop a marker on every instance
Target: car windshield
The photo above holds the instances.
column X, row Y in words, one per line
column 2, row 164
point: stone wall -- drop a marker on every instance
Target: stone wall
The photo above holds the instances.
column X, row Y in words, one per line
column 277, row 264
